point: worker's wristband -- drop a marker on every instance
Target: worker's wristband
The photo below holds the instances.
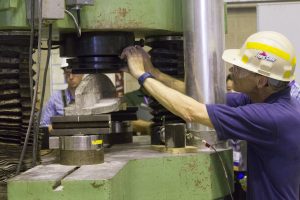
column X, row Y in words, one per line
column 143, row 77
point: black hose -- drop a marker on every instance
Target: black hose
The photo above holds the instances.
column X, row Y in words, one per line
column 34, row 100
column 223, row 166
column 36, row 130
column 55, row 47
column 225, row 172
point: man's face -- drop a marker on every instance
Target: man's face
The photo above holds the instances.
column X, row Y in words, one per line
column 229, row 85
column 243, row 80
column 73, row 80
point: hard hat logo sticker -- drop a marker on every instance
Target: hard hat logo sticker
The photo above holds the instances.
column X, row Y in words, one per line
column 264, row 56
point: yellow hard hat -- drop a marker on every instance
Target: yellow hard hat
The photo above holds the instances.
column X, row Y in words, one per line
column 267, row 53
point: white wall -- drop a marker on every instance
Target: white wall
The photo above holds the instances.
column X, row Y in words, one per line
column 57, row 80
column 283, row 18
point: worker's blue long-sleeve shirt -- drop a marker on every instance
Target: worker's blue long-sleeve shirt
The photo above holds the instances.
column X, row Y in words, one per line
column 55, row 106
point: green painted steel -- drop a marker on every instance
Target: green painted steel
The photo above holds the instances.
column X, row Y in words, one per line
column 13, row 15
column 184, row 177
column 133, row 15
column 141, row 16
column 7, row 4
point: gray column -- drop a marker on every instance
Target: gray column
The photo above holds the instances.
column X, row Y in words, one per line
column 203, row 22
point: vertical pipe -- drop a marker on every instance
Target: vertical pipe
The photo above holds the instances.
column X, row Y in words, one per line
column 203, row 22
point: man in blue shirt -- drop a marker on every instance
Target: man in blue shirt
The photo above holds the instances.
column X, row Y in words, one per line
column 267, row 117
column 295, row 90
column 229, row 83
column 60, row 99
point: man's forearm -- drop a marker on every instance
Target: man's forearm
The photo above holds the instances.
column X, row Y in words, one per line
column 169, row 81
column 179, row 104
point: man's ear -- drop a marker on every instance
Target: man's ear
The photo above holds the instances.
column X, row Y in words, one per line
column 262, row 81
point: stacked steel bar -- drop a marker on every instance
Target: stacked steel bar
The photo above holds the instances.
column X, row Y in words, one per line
column 15, row 102
column 25, row 95
column 166, row 55
column 3, row 189
column 161, row 116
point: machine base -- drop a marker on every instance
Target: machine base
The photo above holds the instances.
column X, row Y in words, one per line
column 129, row 172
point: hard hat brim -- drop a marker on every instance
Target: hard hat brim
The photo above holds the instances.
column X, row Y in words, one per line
column 232, row 56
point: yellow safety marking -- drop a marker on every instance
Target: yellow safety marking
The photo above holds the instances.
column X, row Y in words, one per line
column 287, row 74
column 95, row 142
column 235, row 168
column 245, row 59
column 270, row 49
column 294, row 62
